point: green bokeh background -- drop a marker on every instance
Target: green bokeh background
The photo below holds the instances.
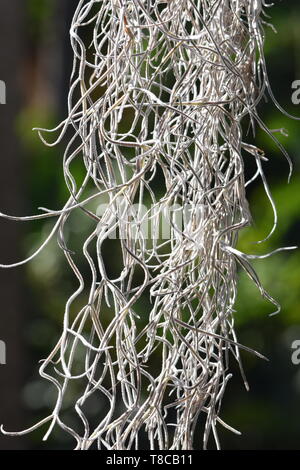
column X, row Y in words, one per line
column 269, row 415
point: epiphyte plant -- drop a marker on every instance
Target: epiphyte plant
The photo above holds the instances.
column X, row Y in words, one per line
column 160, row 90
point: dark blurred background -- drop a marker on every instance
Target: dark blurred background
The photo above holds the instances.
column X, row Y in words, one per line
column 35, row 63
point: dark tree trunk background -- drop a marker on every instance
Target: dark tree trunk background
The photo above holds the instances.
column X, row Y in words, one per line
column 11, row 201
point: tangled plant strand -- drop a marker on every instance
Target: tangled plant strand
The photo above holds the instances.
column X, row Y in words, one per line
column 159, row 91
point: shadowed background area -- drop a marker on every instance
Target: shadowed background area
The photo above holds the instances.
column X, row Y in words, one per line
column 35, row 64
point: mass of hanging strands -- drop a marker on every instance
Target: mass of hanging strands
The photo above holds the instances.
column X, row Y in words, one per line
column 158, row 88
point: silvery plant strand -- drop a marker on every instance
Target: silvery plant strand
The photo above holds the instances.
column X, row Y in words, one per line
column 159, row 95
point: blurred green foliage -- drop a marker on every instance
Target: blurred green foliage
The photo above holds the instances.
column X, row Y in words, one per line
column 38, row 12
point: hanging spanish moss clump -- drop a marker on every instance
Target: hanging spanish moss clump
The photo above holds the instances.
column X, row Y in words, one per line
column 160, row 91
